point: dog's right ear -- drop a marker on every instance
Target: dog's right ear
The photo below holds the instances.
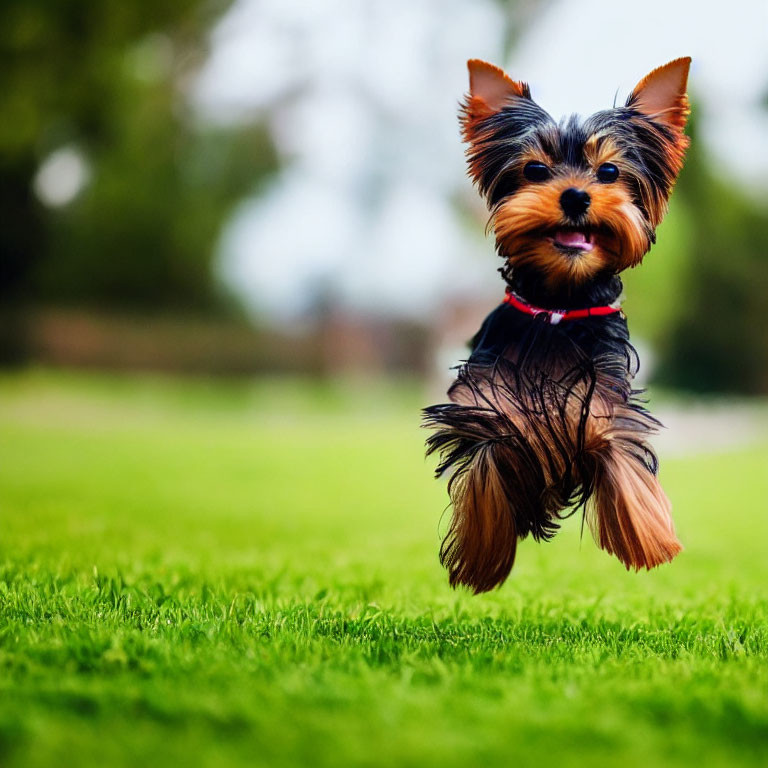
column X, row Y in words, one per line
column 490, row 90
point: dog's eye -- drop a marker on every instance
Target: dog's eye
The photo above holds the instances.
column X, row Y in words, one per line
column 607, row 173
column 535, row 171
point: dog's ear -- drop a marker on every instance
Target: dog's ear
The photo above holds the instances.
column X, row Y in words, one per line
column 658, row 109
column 490, row 90
column 661, row 95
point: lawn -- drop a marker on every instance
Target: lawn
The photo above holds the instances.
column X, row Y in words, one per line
column 199, row 574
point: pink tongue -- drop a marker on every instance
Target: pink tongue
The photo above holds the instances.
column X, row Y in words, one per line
column 572, row 239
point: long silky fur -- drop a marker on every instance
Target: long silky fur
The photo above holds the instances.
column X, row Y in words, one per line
column 509, row 455
column 629, row 514
column 537, row 429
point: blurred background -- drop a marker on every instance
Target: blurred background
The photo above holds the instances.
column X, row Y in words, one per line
column 239, row 252
column 240, row 187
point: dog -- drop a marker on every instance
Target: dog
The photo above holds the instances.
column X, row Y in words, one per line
column 542, row 419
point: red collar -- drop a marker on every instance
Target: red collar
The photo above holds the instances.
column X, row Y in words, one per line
column 554, row 316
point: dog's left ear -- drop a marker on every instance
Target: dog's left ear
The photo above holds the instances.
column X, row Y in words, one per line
column 661, row 95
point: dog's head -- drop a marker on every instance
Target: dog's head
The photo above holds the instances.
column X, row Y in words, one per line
column 581, row 198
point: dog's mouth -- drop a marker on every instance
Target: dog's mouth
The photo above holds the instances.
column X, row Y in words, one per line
column 572, row 240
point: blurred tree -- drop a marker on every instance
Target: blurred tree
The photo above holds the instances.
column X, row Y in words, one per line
column 111, row 192
column 718, row 338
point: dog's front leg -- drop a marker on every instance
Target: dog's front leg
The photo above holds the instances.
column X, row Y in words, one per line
column 629, row 513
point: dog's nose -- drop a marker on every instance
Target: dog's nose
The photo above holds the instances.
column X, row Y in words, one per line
column 574, row 202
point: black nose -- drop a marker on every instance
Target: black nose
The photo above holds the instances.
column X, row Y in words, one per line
column 574, row 202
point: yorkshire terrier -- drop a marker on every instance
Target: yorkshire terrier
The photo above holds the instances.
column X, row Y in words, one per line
column 542, row 418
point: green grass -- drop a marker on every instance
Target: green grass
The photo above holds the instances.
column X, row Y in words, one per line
column 228, row 574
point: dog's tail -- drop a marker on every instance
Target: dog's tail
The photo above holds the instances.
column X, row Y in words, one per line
column 629, row 513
